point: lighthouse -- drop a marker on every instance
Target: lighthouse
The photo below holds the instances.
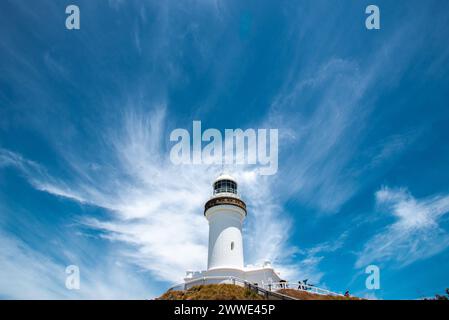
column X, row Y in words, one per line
column 225, row 212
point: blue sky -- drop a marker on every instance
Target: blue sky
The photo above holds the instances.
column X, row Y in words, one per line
column 85, row 119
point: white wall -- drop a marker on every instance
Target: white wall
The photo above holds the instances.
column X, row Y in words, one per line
column 262, row 276
column 225, row 228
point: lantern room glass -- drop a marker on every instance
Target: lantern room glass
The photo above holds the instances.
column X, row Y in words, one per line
column 225, row 186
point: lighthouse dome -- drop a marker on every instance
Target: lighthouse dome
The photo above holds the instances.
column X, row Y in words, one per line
column 225, row 176
column 225, row 184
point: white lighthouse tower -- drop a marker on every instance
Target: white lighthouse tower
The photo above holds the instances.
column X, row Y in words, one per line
column 226, row 211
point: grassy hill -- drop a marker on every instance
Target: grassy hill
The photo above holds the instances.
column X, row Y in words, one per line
column 234, row 292
column 212, row 292
column 302, row 295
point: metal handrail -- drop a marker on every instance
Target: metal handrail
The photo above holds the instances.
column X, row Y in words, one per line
column 265, row 289
column 236, row 281
column 300, row 287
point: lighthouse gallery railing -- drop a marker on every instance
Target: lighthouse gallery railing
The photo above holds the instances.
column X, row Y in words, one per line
column 262, row 289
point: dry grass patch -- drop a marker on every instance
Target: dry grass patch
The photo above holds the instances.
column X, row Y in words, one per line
column 212, row 292
column 303, row 295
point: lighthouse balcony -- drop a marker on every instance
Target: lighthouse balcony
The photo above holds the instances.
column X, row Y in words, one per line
column 225, row 194
column 225, row 200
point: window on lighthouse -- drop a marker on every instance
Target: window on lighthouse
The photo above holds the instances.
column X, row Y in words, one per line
column 232, row 245
column 226, row 186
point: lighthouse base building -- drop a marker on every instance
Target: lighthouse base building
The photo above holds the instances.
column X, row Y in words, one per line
column 225, row 212
column 263, row 276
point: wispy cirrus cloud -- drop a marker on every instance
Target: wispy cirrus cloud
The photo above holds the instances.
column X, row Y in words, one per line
column 325, row 118
column 307, row 265
column 156, row 207
column 320, row 97
column 29, row 274
column 415, row 233
column 322, row 170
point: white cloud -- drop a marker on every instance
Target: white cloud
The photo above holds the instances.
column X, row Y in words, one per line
column 157, row 207
column 308, row 265
column 29, row 274
column 323, row 114
column 415, row 233
column 324, row 137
